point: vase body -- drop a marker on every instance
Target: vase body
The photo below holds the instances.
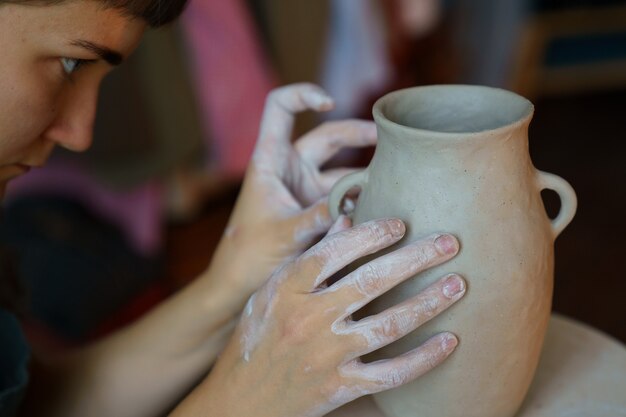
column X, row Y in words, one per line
column 455, row 159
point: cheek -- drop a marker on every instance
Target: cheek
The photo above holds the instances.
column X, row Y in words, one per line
column 27, row 107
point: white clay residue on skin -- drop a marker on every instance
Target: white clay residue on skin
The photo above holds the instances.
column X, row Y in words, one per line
column 230, row 231
column 428, row 307
column 391, row 329
column 342, row 395
column 277, row 196
column 331, row 310
column 384, row 375
column 278, row 119
column 389, row 374
column 369, row 281
column 393, row 377
column 304, row 235
column 254, row 323
column 249, row 305
column 334, row 260
column 267, row 152
column 365, row 282
column 343, row 327
column 411, row 258
column 403, row 320
column 345, row 394
column 249, row 334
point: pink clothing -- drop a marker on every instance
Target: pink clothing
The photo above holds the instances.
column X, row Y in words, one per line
column 137, row 212
column 232, row 78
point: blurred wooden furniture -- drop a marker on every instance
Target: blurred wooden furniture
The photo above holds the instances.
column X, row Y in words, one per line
column 572, row 50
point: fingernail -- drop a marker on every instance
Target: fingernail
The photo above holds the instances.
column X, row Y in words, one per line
column 453, row 285
column 323, row 100
column 397, row 227
column 449, row 342
column 446, row 244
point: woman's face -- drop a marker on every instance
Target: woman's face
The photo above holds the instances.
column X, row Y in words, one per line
column 52, row 59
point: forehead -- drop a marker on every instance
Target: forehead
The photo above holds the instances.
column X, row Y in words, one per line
column 71, row 20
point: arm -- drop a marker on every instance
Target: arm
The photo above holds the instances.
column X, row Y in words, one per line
column 296, row 351
column 282, row 208
column 148, row 366
column 142, row 370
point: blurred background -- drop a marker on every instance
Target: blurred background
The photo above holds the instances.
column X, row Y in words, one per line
column 102, row 236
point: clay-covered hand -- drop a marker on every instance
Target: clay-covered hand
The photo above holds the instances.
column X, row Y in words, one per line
column 296, row 351
column 282, row 208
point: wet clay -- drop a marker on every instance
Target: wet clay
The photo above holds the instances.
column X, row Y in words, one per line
column 455, row 159
column 581, row 373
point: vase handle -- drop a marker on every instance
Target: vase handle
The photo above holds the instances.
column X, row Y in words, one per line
column 340, row 189
column 566, row 194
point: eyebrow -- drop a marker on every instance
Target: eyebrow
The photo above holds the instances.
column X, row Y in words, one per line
column 112, row 57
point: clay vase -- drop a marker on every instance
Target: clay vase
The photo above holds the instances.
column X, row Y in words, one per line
column 454, row 158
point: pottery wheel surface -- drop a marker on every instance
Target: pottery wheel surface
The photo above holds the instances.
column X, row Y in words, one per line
column 581, row 373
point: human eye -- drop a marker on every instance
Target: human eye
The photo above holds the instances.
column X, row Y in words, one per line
column 71, row 65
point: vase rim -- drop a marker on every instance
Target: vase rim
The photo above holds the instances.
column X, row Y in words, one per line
column 382, row 119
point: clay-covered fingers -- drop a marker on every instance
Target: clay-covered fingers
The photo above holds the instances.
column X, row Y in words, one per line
column 327, row 179
column 390, row 325
column 370, row 378
column 385, row 272
column 338, row 250
column 318, row 185
column 281, row 106
column 322, row 143
column 342, row 223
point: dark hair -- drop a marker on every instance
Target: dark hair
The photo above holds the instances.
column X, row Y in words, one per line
column 155, row 12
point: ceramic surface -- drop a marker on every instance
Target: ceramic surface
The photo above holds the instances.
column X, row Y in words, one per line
column 455, row 159
column 581, row 373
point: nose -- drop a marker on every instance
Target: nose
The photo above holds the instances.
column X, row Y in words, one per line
column 72, row 127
